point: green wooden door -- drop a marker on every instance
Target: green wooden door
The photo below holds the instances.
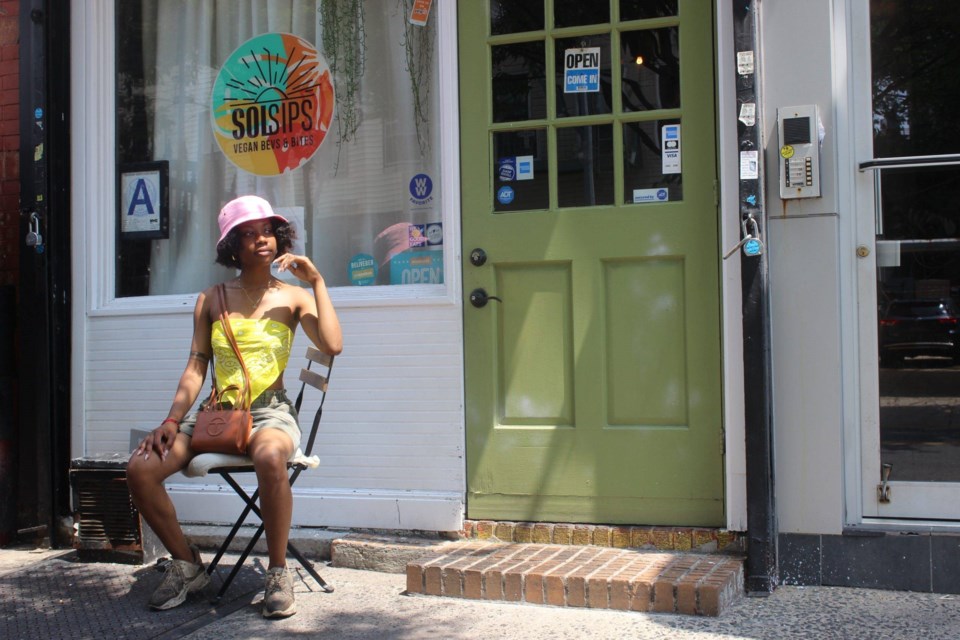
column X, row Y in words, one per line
column 593, row 389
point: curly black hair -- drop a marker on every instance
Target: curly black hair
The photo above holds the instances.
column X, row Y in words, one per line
column 229, row 247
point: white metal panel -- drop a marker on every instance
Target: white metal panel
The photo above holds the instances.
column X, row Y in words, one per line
column 807, row 398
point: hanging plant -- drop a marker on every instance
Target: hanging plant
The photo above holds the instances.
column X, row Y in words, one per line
column 344, row 43
column 418, row 45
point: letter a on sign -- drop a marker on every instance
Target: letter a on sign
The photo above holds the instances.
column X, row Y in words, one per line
column 140, row 197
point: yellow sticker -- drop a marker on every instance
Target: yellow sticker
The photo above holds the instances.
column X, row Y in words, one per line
column 786, row 151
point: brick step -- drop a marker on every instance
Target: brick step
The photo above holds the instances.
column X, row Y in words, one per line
column 580, row 576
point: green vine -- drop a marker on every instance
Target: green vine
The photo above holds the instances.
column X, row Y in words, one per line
column 344, row 44
column 418, row 45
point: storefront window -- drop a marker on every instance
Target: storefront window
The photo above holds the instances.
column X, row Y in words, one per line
column 224, row 99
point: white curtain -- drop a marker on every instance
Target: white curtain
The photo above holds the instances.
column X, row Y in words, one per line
column 349, row 193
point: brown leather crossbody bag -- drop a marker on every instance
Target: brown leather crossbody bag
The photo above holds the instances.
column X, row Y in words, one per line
column 221, row 429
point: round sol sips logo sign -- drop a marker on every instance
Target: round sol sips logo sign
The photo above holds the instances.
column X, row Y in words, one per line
column 272, row 104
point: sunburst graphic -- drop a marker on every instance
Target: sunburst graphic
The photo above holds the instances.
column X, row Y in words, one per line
column 272, row 103
column 273, row 80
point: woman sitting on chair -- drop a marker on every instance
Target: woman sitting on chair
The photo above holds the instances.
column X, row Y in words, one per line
column 264, row 313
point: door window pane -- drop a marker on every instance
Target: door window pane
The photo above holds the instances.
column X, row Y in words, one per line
column 915, row 49
column 650, row 68
column 643, row 9
column 574, row 13
column 916, row 96
column 649, row 177
column 583, row 75
column 515, row 16
column 519, row 82
column 918, row 289
column 585, row 166
column 520, row 170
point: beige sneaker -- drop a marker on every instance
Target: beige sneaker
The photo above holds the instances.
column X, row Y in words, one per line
column 182, row 578
column 278, row 594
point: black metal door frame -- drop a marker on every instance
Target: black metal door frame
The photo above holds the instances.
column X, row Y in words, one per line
column 43, row 308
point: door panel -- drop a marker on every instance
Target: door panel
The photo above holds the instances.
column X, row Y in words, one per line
column 657, row 354
column 593, row 381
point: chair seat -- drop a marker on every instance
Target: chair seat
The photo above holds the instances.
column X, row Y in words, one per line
column 204, row 463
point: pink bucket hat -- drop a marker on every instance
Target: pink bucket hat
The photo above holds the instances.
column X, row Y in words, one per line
column 244, row 209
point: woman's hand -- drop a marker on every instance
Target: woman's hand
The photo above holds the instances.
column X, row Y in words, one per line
column 299, row 266
column 159, row 440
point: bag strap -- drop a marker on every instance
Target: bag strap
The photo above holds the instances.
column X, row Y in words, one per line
column 225, row 322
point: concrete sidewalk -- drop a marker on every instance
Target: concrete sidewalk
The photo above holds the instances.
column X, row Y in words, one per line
column 48, row 595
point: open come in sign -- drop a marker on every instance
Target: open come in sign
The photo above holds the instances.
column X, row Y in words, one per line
column 272, row 104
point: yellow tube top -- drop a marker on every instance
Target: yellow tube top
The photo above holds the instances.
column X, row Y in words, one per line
column 265, row 345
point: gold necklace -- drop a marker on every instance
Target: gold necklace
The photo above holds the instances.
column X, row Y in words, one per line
column 255, row 303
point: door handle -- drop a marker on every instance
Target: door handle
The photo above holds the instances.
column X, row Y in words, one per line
column 479, row 298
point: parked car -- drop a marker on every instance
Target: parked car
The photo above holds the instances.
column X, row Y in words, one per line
column 920, row 327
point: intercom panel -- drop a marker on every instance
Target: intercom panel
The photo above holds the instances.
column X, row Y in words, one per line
column 799, row 128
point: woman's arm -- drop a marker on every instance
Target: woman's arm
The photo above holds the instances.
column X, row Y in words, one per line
column 317, row 315
column 191, row 381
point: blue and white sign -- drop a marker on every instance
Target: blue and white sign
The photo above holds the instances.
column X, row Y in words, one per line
column 524, row 167
column 505, row 195
column 670, row 145
column 417, row 267
column 421, row 189
column 581, row 70
column 507, row 169
column 362, row 269
column 515, row 168
column 651, row 195
column 140, row 201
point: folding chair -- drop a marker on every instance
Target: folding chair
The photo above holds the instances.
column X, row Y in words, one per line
column 228, row 465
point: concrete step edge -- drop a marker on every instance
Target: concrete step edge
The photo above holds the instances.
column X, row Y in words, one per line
column 383, row 552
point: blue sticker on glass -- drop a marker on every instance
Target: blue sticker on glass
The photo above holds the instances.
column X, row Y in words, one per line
column 421, row 189
column 505, row 195
column 661, row 194
column 417, row 267
column 752, row 247
column 507, row 170
column 362, row 270
column 751, row 200
column 38, row 113
column 524, row 167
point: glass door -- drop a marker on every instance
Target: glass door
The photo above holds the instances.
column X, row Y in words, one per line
column 916, row 165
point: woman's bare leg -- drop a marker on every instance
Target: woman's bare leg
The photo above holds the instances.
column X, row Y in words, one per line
column 145, row 478
column 270, row 449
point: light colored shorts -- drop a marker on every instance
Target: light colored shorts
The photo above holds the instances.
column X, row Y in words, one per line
column 271, row 410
